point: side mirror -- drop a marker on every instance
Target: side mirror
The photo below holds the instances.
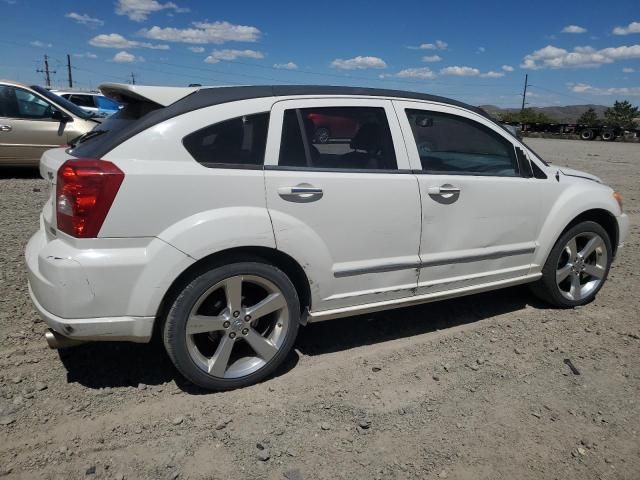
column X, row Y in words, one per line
column 424, row 121
column 61, row 116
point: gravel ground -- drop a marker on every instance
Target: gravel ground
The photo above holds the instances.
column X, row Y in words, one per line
column 472, row 388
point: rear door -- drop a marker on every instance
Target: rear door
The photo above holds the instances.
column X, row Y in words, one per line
column 481, row 211
column 26, row 126
column 347, row 207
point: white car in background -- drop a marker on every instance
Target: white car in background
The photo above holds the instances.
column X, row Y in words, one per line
column 91, row 102
column 210, row 216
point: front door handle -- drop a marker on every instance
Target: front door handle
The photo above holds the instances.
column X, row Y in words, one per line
column 445, row 189
column 5, row 128
column 301, row 193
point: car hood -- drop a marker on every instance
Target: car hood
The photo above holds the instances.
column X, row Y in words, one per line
column 570, row 172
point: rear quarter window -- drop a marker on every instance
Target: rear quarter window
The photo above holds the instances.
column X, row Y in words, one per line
column 236, row 143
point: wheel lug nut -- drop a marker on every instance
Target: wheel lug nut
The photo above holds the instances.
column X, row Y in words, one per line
column 226, row 324
column 236, row 314
column 232, row 335
column 245, row 331
column 247, row 318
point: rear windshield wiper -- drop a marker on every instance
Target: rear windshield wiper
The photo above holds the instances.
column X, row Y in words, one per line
column 85, row 137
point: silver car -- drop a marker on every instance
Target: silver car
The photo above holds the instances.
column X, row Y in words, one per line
column 33, row 120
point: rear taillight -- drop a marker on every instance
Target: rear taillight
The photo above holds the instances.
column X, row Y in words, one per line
column 85, row 191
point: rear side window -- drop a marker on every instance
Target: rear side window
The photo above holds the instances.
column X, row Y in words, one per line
column 106, row 103
column 337, row 138
column 449, row 144
column 236, row 143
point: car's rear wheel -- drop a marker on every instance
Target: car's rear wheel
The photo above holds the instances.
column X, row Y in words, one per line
column 233, row 325
column 577, row 266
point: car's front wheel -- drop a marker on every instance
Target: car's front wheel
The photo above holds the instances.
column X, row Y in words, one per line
column 232, row 326
column 577, row 266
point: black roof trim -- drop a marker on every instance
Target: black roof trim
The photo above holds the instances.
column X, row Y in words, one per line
column 206, row 97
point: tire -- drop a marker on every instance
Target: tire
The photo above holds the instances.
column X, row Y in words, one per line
column 322, row 135
column 587, row 134
column 608, row 136
column 576, row 268
column 215, row 335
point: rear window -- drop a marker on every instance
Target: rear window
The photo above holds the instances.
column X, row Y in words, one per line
column 236, row 143
column 90, row 143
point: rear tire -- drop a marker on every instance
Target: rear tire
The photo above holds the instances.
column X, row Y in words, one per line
column 576, row 268
column 608, row 136
column 232, row 326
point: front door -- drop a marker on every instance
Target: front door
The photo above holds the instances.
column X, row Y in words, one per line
column 481, row 216
column 342, row 199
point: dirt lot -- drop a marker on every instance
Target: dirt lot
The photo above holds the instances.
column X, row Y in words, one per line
column 472, row 388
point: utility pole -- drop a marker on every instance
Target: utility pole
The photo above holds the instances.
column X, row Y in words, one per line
column 46, row 71
column 133, row 79
column 524, row 94
column 69, row 71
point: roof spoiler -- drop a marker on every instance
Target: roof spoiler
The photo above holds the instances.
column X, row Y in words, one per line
column 164, row 96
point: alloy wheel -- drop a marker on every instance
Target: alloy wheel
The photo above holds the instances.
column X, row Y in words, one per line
column 582, row 266
column 237, row 326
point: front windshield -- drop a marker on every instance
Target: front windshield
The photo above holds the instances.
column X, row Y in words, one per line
column 63, row 102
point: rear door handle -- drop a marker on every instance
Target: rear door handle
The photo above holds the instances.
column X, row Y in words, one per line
column 5, row 128
column 301, row 193
column 445, row 189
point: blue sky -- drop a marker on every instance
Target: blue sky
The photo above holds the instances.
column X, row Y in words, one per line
column 473, row 51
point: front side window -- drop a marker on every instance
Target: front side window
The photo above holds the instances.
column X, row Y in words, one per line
column 239, row 142
column 18, row 103
column 337, row 138
column 449, row 144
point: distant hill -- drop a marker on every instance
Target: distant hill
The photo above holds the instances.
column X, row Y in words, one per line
column 567, row 114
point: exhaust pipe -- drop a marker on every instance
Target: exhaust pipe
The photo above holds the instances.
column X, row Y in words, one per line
column 55, row 340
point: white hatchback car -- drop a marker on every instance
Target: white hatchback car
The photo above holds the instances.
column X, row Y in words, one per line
column 213, row 217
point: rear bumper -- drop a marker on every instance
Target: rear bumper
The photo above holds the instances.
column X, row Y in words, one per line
column 101, row 289
column 110, row 329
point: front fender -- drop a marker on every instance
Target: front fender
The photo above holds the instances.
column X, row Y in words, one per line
column 580, row 197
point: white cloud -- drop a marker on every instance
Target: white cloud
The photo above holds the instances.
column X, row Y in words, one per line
column 139, row 10
column 126, row 57
column 481, row 50
column 85, row 55
column 492, row 74
column 574, row 29
column 628, row 70
column 431, row 58
column 633, row 27
column 232, row 54
column 197, row 49
column 554, row 57
column 460, row 71
column 423, row 73
column 285, row 66
column 438, row 45
column 84, row 19
column 115, row 40
column 39, row 44
column 507, row 68
column 358, row 63
column 204, row 32
column 586, row 88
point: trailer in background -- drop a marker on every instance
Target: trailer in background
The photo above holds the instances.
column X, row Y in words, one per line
column 584, row 132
